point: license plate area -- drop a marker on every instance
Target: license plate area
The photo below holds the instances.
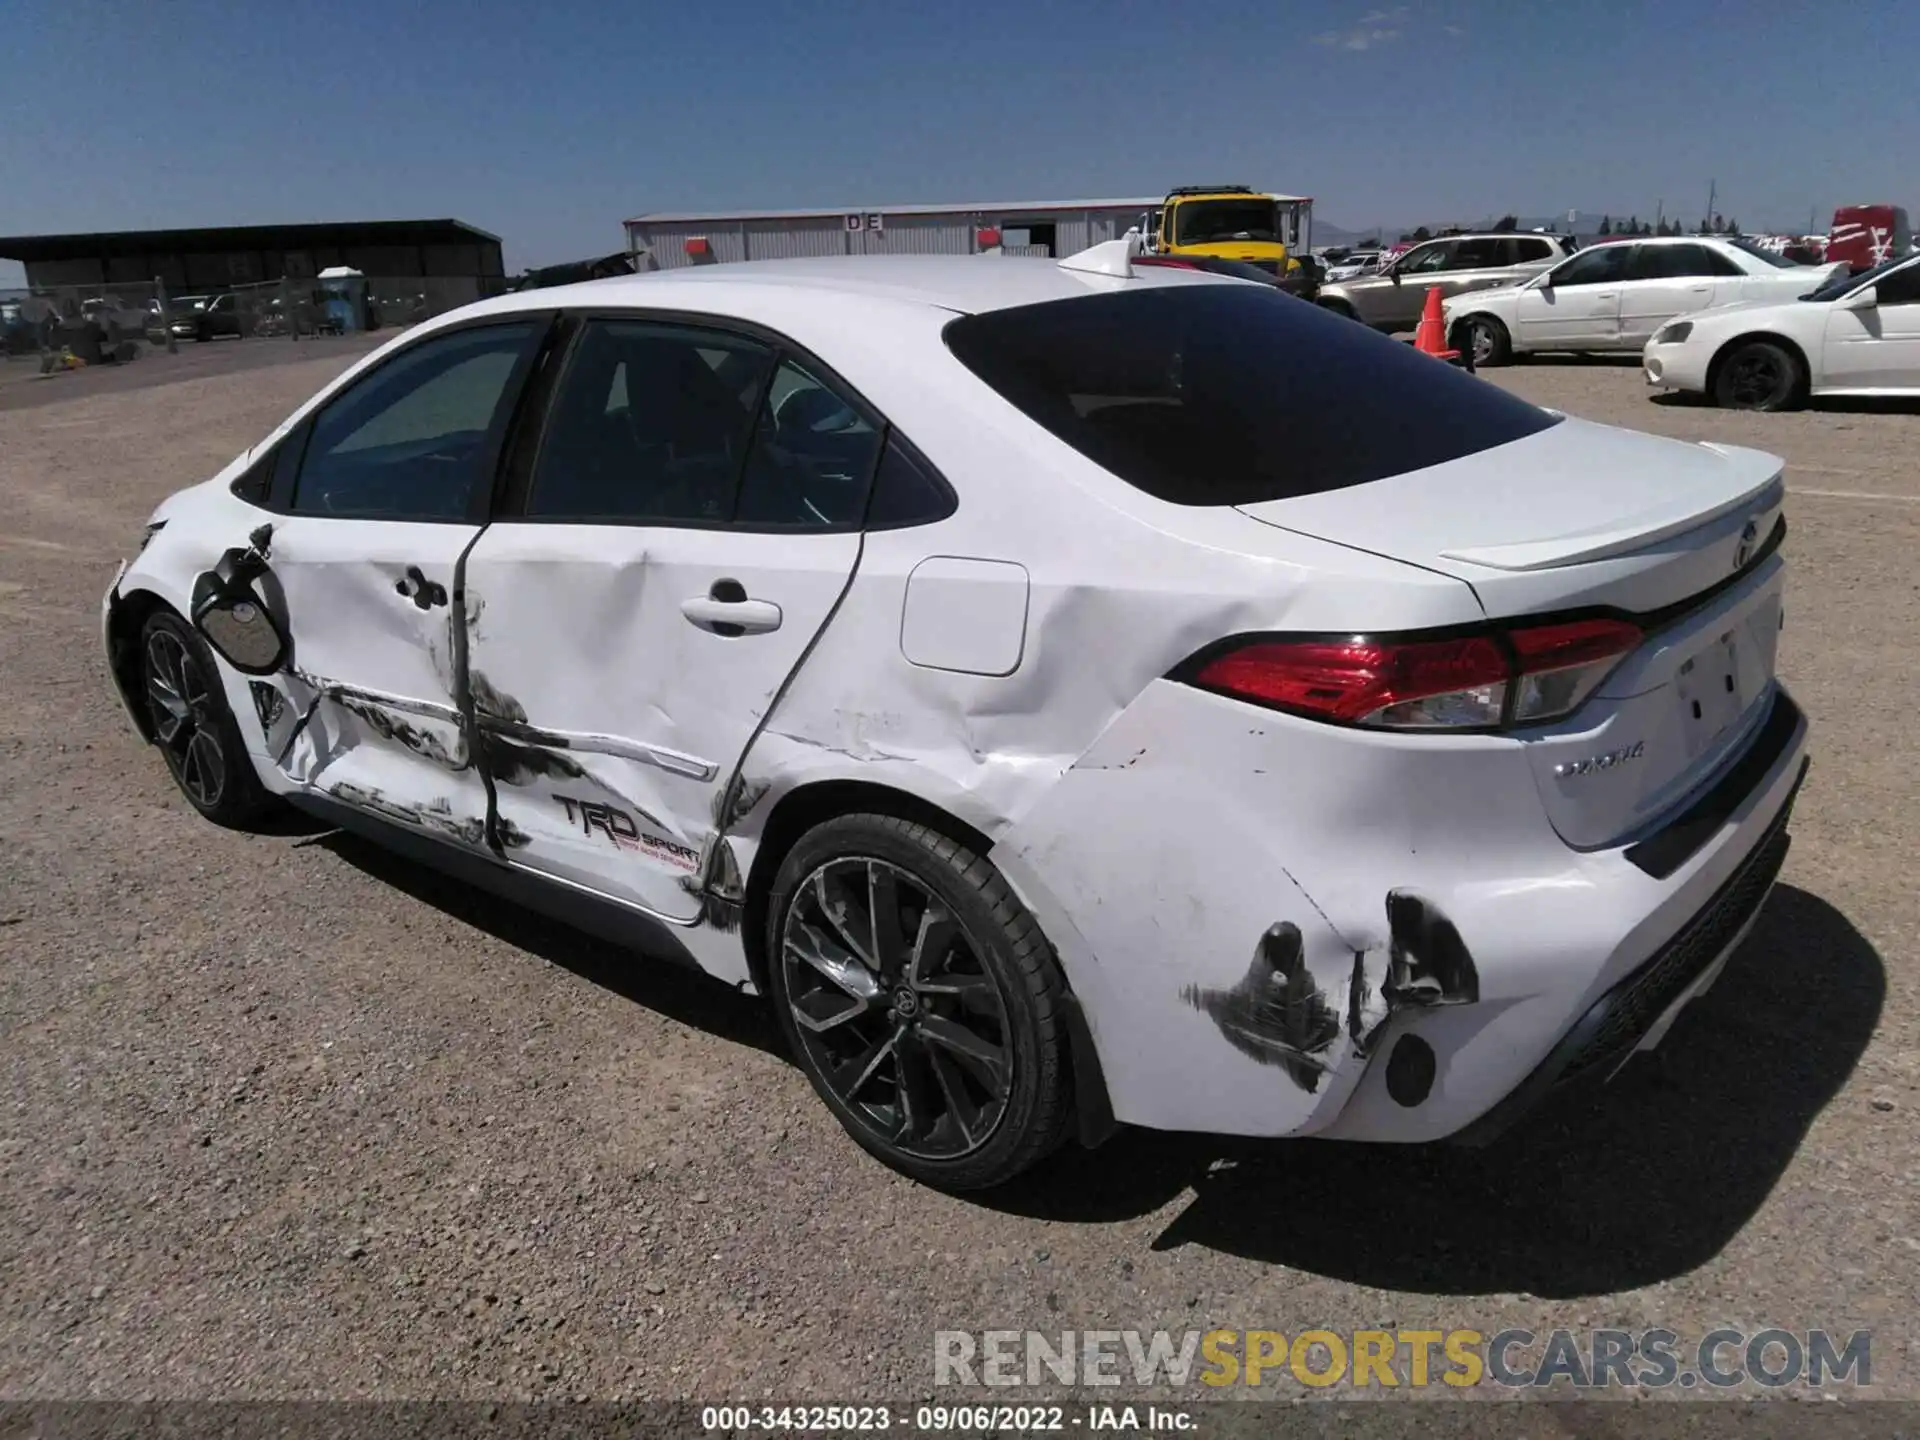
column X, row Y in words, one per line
column 1708, row 689
column 1715, row 685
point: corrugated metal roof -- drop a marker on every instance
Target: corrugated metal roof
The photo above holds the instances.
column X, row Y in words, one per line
column 90, row 244
column 996, row 207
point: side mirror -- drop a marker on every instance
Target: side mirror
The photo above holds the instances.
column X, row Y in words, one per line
column 236, row 622
column 1863, row 299
column 1393, row 273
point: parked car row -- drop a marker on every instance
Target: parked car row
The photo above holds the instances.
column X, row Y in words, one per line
column 1613, row 295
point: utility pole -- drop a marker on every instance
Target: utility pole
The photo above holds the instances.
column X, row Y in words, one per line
column 1659, row 217
column 1713, row 189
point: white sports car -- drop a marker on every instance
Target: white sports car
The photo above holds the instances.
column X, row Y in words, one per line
column 1070, row 694
column 1613, row 295
column 1856, row 335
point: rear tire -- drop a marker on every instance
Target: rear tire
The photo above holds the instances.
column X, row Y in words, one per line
column 194, row 729
column 1759, row 375
column 938, row 1038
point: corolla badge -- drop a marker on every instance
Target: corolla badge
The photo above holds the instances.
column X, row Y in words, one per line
column 1749, row 541
column 1594, row 764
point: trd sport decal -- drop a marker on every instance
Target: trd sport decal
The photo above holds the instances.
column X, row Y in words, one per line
column 621, row 828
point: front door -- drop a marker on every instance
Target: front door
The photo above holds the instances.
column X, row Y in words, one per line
column 1396, row 300
column 389, row 491
column 1580, row 309
column 1877, row 348
column 688, row 525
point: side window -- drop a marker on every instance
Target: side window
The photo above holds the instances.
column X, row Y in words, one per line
column 1598, row 266
column 906, row 491
column 1720, row 263
column 1479, row 254
column 1678, row 262
column 811, row 460
column 650, row 425
column 257, row 478
column 1428, row 259
column 409, row 442
column 1902, row 287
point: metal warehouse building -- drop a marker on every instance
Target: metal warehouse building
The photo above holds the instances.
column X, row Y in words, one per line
column 1050, row 227
column 445, row 255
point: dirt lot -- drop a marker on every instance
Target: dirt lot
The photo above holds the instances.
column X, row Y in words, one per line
column 287, row 1117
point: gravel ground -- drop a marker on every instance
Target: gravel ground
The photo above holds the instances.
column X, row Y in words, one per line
column 290, row 1118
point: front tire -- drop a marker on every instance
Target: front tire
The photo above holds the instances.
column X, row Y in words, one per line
column 193, row 727
column 1486, row 340
column 921, row 999
column 1759, row 375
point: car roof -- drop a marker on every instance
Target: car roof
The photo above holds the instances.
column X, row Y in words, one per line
column 964, row 284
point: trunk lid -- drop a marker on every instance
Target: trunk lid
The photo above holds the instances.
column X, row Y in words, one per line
column 1583, row 517
column 1576, row 515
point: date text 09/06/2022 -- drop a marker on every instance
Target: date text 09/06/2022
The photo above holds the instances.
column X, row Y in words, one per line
column 941, row 1419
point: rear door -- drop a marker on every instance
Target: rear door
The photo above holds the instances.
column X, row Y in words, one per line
column 1663, row 281
column 1478, row 261
column 386, row 487
column 1580, row 310
column 681, row 533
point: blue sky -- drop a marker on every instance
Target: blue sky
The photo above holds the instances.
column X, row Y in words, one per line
column 548, row 123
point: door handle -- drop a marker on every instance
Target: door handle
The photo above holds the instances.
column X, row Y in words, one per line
column 1606, row 295
column 730, row 617
column 418, row 588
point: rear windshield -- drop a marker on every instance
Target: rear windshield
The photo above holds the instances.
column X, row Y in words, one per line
column 1233, row 394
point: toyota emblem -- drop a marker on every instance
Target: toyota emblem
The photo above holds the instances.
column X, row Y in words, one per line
column 1749, row 539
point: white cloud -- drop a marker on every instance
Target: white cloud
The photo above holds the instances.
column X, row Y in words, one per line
column 1376, row 27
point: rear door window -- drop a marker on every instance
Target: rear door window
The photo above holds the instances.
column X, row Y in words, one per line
column 1233, row 394
column 1478, row 254
column 1679, row 262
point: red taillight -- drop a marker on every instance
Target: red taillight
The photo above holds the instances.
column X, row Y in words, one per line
column 1467, row 682
column 1561, row 665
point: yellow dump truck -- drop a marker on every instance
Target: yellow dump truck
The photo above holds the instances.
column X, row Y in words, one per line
column 1235, row 222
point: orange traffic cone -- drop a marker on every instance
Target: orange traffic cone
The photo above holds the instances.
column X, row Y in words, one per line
column 1431, row 336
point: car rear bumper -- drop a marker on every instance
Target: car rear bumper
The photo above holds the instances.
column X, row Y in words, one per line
column 1199, row 827
column 1636, row 1013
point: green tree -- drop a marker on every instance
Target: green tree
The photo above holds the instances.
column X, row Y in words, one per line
column 1506, row 224
column 1606, row 225
column 1422, row 234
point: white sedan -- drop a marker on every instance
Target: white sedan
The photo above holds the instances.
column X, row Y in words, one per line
column 1857, row 335
column 1613, row 295
column 1071, row 694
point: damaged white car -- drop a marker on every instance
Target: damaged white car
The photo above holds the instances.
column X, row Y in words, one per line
column 1071, row 695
